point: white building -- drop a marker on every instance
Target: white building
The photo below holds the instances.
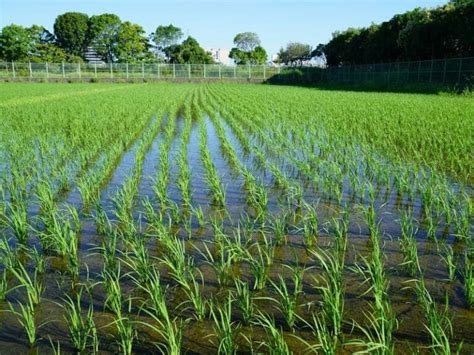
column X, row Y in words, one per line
column 220, row 55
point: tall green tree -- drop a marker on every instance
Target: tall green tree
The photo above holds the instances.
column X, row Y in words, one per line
column 188, row 52
column 295, row 53
column 132, row 45
column 248, row 49
column 166, row 36
column 16, row 43
column 70, row 30
column 102, row 35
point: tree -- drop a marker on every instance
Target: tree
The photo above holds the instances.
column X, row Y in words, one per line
column 248, row 49
column 188, row 52
column 166, row 36
column 71, row 32
column 247, row 41
column 16, row 43
column 132, row 45
column 102, row 35
column 295, row 53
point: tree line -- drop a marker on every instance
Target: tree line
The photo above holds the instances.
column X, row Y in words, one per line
column 422, row 33
column 114, row 40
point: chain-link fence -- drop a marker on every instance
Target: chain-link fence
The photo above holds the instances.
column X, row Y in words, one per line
column 134, row 71
column 449, row 71
column 439, row 71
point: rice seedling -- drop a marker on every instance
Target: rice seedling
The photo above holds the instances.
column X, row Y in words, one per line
column 450, row 263
column 225, row 329
column 9, row 255
column 275, row 342
column 27, row 318
column 222, row 265
column 39, row 259
column 287, row 302
column 17, row 219
column 81, row 327
column 114, row 299
column 3, row 286
column 468, row 276
column 33, row 286
column 244, row 300
column 199, row 304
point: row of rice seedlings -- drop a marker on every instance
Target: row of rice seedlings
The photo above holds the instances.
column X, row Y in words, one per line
column 408, row 244
column 184, row 176
column 161, row 182
column 438, row 324
column 382, row 320
column 212, row 176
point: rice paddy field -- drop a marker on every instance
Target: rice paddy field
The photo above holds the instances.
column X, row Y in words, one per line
column 227, row 218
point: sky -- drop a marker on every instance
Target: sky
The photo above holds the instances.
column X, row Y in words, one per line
column 214, row 23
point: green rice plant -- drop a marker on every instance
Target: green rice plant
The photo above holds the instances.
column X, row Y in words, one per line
column 450, row 262
column 325, row 340
column 222, row 265
column 408, row 245
column 39, row 259
column 9, row 255
column 199, row 214
column 259, row 267
column 332, row 291
column 275, row 342
column 287, row 302
column 114, row 299
column 244, row 300
column 27, row 319
column 371, row 220
column 180, row 265
column 468, row 276
column 34, row 287
column 17, row 220
column 137, row 259
column 198, row 303
column 224, row 328
column 154, row 290
column 3, row 286
column 126, row 334
column 438, row 325
column 279, row 228
column 101, row 220
column 80, row 326
column 170, row 330
column 280, row 179
column 297, row 272
column 378, row 334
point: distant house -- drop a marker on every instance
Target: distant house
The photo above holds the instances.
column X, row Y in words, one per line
column 91, row 56
column 220, row 55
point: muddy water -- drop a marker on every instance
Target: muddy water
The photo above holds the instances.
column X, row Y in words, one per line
column 411, row 334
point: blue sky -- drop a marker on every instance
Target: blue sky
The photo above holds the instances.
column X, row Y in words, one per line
column 214, row 23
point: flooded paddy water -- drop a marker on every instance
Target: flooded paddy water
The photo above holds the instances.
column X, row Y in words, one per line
column 225, row 218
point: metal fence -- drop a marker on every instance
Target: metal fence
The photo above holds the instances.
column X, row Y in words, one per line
column 449, row 71
column 441, row 71
column 134, row 71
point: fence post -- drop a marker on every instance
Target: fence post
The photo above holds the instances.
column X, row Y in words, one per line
column 13, row 70
column 174, row 71
column 460, row 69
column 431, row 70
column 158, row 70
column 126, row 68
column 235, row 71
column 31, row 71
column 79, row 69
column 47, row 70
column 250, row 72
column 143, row 70
column 204, row 70
column 111, row 71
column 189, row 71
column 444, row 71
column 220, row 71
column 264, row 72
column 95, row 70
column 62, row 67
column 419, row 70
